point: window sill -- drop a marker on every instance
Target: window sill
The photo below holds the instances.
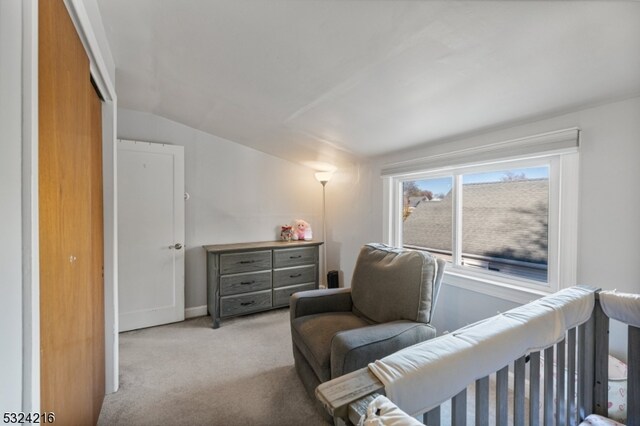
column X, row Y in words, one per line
column 491, row 287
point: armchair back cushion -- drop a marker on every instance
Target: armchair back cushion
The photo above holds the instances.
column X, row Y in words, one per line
column 391, row 284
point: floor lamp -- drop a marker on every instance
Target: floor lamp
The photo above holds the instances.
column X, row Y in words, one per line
column 323, row 178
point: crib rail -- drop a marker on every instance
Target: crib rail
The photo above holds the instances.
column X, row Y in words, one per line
column 546, row 396
column 559, row 385
column 346, row 397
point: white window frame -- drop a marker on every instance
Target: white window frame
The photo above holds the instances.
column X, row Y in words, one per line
column 558, row 150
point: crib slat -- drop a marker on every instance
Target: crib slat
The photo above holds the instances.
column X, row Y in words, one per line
column 600, row 388
column 432, row 417
column 560, row 377
column 502, row 395
column 518, row 391
column 459, row 409
column 548, row 386
column 633, row 377
column 482, row 401
column 586, row 351
column 571, row 377
column 582, row 370
column 534, row 388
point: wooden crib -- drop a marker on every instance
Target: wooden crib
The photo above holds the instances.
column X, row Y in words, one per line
column 542, row 395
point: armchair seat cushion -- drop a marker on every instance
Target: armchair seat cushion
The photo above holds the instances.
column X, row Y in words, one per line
column 312, row 335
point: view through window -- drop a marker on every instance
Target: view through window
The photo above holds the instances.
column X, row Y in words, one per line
column 428, row 216
column 503, row 224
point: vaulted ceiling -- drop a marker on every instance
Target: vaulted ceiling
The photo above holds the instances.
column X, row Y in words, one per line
column 316, row 80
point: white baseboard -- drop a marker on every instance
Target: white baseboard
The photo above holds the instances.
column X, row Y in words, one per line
column 196, row 311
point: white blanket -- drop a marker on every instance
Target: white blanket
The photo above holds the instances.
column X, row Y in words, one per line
column 596, row 420
column 624, row 307
column 425, row 375
column 382, row 412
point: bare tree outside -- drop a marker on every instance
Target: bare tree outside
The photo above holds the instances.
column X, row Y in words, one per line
column 510, row 176
column 411, row 191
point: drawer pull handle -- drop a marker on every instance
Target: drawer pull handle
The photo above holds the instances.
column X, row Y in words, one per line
column 295, row 257
column 248, row 303
column 247, row 282
column 295, row 276
column 244, row 262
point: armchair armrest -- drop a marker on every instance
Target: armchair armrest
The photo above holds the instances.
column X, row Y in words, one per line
column 355, row 349
column 319, row 301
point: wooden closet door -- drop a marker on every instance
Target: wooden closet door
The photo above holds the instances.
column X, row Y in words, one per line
column 71, row 229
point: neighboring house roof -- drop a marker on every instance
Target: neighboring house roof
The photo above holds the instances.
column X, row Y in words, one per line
column 414, row 201
column 500, row 219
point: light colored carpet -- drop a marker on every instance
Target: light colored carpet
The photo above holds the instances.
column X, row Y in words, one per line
column 240, row 374
column 189, row 374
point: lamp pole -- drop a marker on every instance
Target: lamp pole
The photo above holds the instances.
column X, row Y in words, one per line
column 323, row 178
column 324, row 234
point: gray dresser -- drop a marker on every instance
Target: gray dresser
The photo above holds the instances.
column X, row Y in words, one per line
column 250, row 277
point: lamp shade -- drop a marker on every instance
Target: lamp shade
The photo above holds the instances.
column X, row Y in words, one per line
column 323, row 177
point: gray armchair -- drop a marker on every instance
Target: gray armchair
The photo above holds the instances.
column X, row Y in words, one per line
column 388, row 307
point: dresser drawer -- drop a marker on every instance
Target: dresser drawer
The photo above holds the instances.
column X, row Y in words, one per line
column 245, row 283
column 232, row 263
column 281, row 295
column 293, row 257
column 292, row 276
column 243, row 304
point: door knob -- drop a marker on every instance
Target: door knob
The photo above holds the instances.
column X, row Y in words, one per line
column 177, row 246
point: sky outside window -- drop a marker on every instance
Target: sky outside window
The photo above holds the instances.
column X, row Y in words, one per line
column 443, row 185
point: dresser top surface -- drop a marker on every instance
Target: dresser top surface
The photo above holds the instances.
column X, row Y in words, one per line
column 224, row 248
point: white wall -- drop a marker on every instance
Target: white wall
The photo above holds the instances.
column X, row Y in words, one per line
column 11, row 210
column 353, row 217
column 30, row 214
column 609, row 229
column 238, row 194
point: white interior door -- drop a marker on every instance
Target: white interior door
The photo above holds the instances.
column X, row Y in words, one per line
column 150, row 234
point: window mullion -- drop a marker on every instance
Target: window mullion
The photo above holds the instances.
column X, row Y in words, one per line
column 457, row 220
column 399, row 201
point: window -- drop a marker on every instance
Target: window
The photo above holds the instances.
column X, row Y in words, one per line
column 503, row 222
column 496, row 222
